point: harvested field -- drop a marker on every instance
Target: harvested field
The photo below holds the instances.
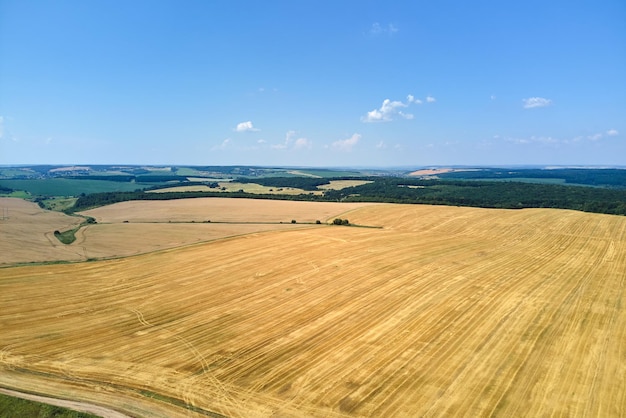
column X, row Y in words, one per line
column 137, row 227
column 444, row 312
column 220, row 210
column 194, row 188
column 431, row 171
column 342, row 184
column 259, row 189
column 435, row 171
column 28, row 233
column 125, row 239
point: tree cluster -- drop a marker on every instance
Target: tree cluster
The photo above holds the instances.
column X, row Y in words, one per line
column 609, row 177
column 296, row 182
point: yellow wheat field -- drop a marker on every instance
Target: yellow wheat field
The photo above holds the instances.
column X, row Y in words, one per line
column 136, row 227
column 27, row 234
column 442, row 312
column 220, row 210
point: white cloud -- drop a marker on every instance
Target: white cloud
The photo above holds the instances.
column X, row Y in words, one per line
column 412, row 99
column 222, row 146
column 246, row 127
column 375, row 116
column 302, row 143
column 532, row 102
column 555, row 141
column 6, row 134
column 533, row 140
column 347, row 144
column 599, row 136
column 390, row 109
column 292, row 142
column 550, row 140
column 289, row 138
column 386, row 112
column 377, row 29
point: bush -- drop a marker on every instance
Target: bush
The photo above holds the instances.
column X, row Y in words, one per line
column 66, row 237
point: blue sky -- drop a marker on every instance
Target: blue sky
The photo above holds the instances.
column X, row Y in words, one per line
column 313, row 83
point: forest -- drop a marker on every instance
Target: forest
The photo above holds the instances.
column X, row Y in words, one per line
column 606, row 177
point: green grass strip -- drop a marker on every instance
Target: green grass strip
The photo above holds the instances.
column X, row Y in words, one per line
column 69, row 236
column 11, row 407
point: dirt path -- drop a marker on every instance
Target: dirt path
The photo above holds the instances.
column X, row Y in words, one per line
column 74, row 405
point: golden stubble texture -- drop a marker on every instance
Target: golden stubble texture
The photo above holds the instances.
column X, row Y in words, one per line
column 442, row 312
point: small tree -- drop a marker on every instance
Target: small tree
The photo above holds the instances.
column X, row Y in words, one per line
column 337, row 221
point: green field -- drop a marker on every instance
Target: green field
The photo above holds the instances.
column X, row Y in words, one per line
column 15, row 407
column 548, row 180
column 59, row 204
column 20, row 194
column 16, row 172
column 70, row 187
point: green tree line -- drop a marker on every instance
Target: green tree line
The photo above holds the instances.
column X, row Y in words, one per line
column 607, row 177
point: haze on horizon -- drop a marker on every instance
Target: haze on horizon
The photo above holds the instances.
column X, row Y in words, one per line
column 351, row 83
